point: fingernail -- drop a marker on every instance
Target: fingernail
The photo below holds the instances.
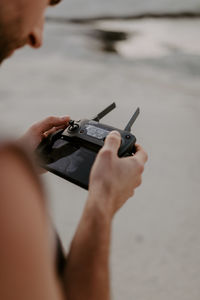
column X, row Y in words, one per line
column 65, row 118
column 115, row 132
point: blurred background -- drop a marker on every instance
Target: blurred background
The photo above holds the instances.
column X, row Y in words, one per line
column 136, row 53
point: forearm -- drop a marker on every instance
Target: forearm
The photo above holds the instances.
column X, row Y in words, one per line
column 87, row 270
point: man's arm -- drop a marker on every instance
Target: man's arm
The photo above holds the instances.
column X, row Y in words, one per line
column 87, row 271
column 112, row 182
column 27, row 269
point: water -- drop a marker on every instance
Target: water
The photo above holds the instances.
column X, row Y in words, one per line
column 151, row 38
column 74, row 8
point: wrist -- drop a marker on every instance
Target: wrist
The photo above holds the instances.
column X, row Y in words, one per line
column 100, row 202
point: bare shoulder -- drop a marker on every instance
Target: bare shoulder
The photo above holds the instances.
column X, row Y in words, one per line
column 25, row 257
column 18, row 183
column 16, row 165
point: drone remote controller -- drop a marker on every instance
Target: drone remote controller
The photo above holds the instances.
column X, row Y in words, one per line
column 70, row 153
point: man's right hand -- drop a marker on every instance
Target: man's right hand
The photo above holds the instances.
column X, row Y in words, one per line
column 113, row 180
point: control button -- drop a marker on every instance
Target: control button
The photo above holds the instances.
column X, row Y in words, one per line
column 71, row 123
column 72, row 126
column 128, row 137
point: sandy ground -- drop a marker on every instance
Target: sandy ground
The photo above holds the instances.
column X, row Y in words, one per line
column 156, row 241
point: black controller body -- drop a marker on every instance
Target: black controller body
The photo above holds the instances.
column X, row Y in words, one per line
column 92, row 134
column 70, row 153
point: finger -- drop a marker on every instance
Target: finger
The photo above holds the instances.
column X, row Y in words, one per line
column 54, row 129
column 51, row 122
column 113, row 141
column 140, row 154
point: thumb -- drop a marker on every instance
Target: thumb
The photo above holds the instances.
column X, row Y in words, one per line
column 113, row 141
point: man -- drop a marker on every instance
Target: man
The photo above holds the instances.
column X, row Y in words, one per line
column 28, row 270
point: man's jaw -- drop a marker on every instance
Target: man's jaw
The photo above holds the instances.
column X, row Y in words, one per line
column 7, row 55
column 10, row 51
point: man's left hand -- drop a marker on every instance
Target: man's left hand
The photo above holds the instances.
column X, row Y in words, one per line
column 42, row 129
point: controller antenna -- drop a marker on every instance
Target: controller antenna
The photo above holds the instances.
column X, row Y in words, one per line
column 132, row 120
column 104, row 112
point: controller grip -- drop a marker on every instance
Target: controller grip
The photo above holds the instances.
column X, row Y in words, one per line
column 134, row 149
column 48, row 141
column 128, row 149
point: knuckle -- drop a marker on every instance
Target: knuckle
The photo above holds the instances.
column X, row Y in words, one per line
column 50, row 119
column 34, row 128
column 105, row 153
column 139, row 181
column 139, row 167
column 131, row 194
